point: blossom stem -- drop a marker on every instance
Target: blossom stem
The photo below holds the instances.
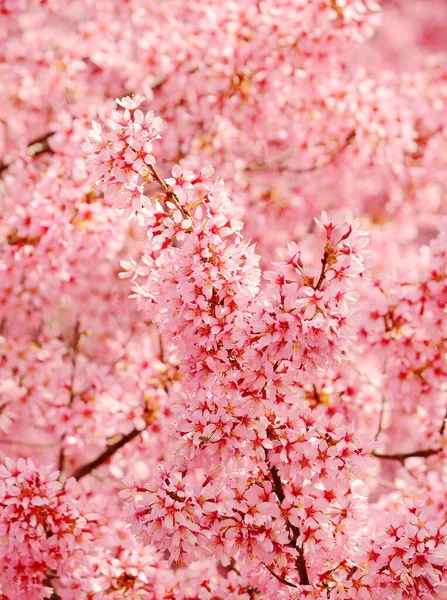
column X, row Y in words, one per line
column 170, row 194
column 323, row 270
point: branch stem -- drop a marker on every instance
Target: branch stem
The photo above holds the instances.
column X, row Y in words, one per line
column 104, row 456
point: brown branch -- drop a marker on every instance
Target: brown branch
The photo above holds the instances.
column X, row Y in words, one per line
column 293, row 530
column 401, row 456
column 170, row 194
column 4, row 164
column 277, row 483
column 272, row 161
column 160, row 81
column 55, row 595
column 48, row 581
column 324, row 262
column 36, row 147
column 443, row 425
column 14, row 240
column 87, row 468
column 259, row 166
column 281, row 579
column 104, row 456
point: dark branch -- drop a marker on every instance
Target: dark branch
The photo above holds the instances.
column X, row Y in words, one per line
column 104, row 456
column 279, row 578
column 401, row 456
column 277, row 484
column 48, row 581
column 324, row 262
column 86, row 469
column 443, row 425
column 36, row 147
column 294, row 532
column 170, row 194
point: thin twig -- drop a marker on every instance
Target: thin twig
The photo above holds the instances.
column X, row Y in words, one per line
column 170, row 194
column 281, row 579
column 379, row 389
column 87, row 468
column 324, row 262
column 262, row 166
column 443, row 424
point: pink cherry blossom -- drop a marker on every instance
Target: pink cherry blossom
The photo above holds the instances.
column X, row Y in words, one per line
column 223, row 300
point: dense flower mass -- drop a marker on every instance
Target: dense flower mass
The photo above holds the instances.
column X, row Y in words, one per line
column 223, row 323
column 42, row 528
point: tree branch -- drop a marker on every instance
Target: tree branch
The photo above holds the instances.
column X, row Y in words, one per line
column 293, row 530
column 443, row 425
column 401, row 456
column 324, row 262
column 37, row 146
column 104, row 456
column 259, row 166
column 87, row 468
column 381, row 417
column 170, row 194
column 278, row 577
column 48, row 581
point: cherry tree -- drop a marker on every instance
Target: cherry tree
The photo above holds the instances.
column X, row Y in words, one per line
column 264, row 416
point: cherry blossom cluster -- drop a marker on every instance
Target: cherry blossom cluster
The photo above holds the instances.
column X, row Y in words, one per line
column 44, row 529
column 274, row 418
column 268, row 492
column 408, row 557
column 202, row 279
column 124, row 156
column 408, row 324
